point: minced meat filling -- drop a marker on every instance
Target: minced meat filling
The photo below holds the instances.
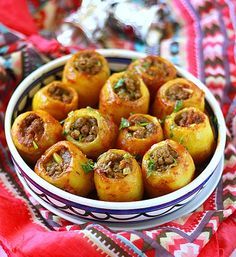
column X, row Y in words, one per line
column 60, row 94
column 178, row 92
column 154, row 67
column 88, row 62
column 187, row 118
column 31, row 129
column 163, row 158
column 115, row 166
column 84, row 129
column 55, row 167
column 128, row 87
column 140, row 127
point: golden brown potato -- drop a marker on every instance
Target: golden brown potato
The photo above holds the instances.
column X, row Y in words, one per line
column 57, row 99
column 118, row 177
column 139, row 133
column 155, row 71
column 86, row 71
column 65, row 166
column 177, row 94
column 124, row 93
column 93, row 132
column 33, row 132
column 191, row 128
column 166, row 167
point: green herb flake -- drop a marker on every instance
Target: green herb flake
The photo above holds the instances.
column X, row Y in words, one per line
column 146, row 65
column 57, row 158
column 119, row 83
column 151, row 167
column 35, row 145
column 172, row 126
column 65, row 133
column 126, row 155
column 143, row 124
column 178, row 105
column 124, row 123
column 88, row 166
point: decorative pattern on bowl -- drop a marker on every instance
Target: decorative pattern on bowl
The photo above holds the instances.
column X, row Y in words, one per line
column 95, row 210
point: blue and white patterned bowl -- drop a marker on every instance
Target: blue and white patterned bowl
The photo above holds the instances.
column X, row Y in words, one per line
column 78, row 207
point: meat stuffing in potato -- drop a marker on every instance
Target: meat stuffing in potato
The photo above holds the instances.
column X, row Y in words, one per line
column 191, row 128
column 118, row 177
column 166, row 167
column 65, row 166
column 33, row 132
column 138, row 133
column 154, row 70
column 93, row 132
column 124, row 93
column 57, row 99
column 177, row 94
column 86, row 71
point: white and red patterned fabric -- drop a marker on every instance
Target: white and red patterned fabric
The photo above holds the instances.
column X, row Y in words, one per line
column 205, row 44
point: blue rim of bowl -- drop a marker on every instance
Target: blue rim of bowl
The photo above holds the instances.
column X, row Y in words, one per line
column 185, row 191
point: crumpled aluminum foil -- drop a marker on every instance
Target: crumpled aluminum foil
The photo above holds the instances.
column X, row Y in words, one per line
column 95, row 19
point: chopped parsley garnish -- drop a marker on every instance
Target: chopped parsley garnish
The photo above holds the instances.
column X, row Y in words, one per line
column 178, row 105
column 143, row 124
column 126, row 155
column 57, row 158
column 119, row 83
column 35, row 145
column 171, row 130
column 87, row 167
column 65, row 133
column 124, row 123
column 151, row 167
column 146, row 65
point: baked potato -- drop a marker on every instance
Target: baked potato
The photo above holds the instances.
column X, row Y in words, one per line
column 65, row 166
column 166, row 167
column 118, row 177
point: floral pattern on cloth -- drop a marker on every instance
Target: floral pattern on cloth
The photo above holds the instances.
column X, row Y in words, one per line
column 204, row 45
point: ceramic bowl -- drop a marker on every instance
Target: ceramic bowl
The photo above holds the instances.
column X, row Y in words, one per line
column 76, row 207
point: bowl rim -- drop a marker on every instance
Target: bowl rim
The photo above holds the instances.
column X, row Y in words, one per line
column 180, row 193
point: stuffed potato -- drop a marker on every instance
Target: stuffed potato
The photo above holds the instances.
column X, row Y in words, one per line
column 166, row 167
column 154, row 70
column 191, row 128
column 66, row 167
column 33, row 132
column 57, row 99
column 86, row 71
column 124, row 93
column 139, row 133
column 91, row 131
column 177, row 94
column 118, row 177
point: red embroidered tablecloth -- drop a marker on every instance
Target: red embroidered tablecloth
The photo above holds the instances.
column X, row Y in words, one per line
column 206, row 46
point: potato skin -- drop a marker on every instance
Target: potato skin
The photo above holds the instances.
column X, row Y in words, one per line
column 74, row 180
column 197, row 138
column 116, row 107
column 163, row 106
column 87, row 85
column 52, row 134
column 153, row 82
column 161, row 183
column 138, row 146
column 107, row 132
column 129, row 188
column 58, row 109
